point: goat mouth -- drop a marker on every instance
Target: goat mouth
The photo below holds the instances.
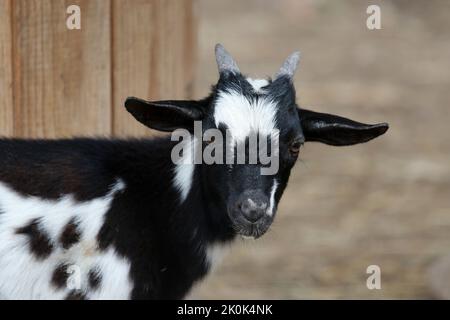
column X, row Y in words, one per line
column 247, row 229
column 252, row 231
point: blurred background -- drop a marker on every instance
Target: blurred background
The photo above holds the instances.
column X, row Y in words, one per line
column 384, row 203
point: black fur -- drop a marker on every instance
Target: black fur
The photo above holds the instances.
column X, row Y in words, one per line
column 94, row 278
column 60, row 276
column 76, row 295
column 147, row 224
column 39, row 242
column 70, row 235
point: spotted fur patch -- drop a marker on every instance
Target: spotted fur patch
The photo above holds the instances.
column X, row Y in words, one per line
column 70, row 235
column 60, row 276
column 39, row 242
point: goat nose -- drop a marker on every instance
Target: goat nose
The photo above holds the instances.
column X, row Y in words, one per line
column 254, row 208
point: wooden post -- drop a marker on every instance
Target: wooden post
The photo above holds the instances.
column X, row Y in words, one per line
column 56, row 82
column 152, row 55
column 62, row 83
column 6, row 92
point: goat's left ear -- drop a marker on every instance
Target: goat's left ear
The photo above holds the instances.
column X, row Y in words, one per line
column 337, row 131
column 166, row 115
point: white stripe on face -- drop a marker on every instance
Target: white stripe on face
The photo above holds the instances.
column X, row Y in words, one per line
column 258, row 84
column 270, row 211
column 242, row 116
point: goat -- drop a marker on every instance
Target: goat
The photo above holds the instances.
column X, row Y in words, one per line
column 92, row 218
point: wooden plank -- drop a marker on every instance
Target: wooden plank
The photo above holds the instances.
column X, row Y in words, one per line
column 62, row 78
column 6, row 93
column 153, row 50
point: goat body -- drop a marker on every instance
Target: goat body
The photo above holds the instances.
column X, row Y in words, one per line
column 98, row 219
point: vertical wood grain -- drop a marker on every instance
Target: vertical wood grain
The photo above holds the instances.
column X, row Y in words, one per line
column 153, row 51
column 6, row 80
column 62, row 78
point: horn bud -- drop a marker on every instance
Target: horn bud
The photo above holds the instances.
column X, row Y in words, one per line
column 289, row 66
column 225, row 61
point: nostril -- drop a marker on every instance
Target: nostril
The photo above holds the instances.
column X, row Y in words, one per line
column 251, row 210
column 243, row 207
column 246, row 206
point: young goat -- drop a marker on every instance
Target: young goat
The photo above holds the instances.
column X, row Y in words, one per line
column 118, row 219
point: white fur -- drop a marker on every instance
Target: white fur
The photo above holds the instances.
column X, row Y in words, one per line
column 258, row 84
column 243, row 117
column 184, row 170
column 215, row 253
column 23, row 276
column 273, row 190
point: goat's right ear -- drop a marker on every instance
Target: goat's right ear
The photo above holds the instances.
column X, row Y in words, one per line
column 166, row 115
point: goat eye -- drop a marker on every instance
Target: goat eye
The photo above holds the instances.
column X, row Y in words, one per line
column 294, row 148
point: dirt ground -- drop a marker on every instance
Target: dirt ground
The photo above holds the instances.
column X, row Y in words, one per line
column 386, row 202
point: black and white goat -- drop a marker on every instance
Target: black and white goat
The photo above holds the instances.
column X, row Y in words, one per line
column 118, row 219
